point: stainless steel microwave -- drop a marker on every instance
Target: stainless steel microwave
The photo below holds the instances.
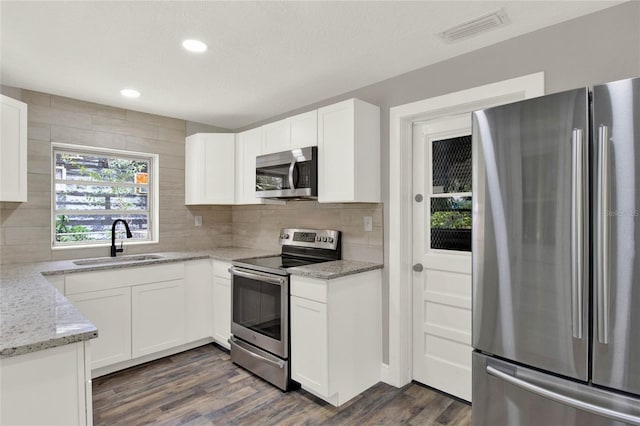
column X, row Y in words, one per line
column 288, row 174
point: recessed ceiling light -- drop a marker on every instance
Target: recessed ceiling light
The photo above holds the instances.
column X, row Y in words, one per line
column 194, row 46
column 130, row 93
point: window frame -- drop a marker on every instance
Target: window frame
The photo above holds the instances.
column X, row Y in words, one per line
column 153, row 195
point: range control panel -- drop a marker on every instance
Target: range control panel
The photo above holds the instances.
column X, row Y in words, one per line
column 316, row 238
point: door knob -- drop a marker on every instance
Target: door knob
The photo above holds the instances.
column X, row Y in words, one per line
column 418, row 267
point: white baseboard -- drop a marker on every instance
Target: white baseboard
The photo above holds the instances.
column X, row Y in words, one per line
column 385, row 375
column 151, row 357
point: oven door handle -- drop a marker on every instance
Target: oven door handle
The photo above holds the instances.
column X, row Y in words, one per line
column 257, row 276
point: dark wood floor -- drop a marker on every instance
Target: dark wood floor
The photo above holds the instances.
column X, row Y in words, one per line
column 203, row 387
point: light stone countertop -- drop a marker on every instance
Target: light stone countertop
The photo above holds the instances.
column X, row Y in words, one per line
column 334, row 269
column 35, row 316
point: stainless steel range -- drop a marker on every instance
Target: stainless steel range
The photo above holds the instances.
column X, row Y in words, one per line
column 260, row 301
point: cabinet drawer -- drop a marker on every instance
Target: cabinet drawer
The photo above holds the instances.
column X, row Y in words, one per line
column 221, row 269
column 123, row 277
column 309, row 288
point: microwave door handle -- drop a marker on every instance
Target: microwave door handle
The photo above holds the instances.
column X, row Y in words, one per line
column 292, row 167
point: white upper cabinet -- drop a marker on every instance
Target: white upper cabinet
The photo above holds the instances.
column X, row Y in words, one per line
column 349, row 152
column 298, row 131
column 13, row 150
column 276, row 137
column 249, row 146
column 210, row 168
column 304, row 129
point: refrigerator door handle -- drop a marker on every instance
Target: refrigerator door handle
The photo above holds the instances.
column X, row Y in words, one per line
column 602, row 253
column 577, row 231
column 563, row 399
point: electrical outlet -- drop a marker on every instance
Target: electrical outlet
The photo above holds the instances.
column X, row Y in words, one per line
column 198, row 220
column 368, row 223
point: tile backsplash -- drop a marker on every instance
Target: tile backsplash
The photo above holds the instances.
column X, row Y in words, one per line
column 258, row 226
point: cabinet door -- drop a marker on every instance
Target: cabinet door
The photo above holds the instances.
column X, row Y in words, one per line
column 248, row 148
column 210, row 168
column 13, row 150
column 198, row 294
column 336, row 160
column 194, row 164
column 222, row 310
column 277, row 136
column 110, row 312
column 158, row 316
column 304, row 129
column 55, row 378
column 309, row 344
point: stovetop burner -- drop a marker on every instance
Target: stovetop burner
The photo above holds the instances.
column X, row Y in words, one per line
column 299, row 247
column 275, row 264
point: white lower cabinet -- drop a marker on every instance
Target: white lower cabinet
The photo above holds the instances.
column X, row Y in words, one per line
column 221, row 303
column 309, row 332
column 198, row 288
column 110, row 312
column 48, row 387
column 157, row 317
column 336, row 332
column 144, row 312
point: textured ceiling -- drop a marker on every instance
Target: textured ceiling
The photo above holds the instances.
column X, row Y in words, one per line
column 264, row 58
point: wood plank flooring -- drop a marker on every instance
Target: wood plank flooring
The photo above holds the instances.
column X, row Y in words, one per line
column 203, row 387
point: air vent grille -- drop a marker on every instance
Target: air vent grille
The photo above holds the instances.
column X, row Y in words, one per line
column 475, row 26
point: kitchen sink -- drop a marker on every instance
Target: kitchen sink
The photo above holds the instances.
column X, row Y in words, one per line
column 118, row 259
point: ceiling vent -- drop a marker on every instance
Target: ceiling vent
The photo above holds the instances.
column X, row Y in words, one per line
column 475, row 26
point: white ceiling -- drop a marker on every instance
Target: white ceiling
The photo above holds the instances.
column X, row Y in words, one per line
column 264, row 58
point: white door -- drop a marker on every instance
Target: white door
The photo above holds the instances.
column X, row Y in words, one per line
column 441, row 254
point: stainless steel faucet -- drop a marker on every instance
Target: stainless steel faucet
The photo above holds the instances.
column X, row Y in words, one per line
column 114, row 250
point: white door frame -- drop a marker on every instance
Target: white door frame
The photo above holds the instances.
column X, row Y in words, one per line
column 401, row 118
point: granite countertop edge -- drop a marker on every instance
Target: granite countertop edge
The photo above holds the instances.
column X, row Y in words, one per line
column 32, row 310
column 334, row 269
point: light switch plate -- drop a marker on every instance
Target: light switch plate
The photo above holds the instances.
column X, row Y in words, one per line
column 198, row 220
column 368, row 223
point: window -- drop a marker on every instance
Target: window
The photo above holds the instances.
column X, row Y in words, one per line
column 92, row 187
column 451, row 194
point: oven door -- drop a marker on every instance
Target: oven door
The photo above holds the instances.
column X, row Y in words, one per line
column 260, row 309
column 287, row 174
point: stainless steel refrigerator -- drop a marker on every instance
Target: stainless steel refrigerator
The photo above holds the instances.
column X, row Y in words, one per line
column 556, row 259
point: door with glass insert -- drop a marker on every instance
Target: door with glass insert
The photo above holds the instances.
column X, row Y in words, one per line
column 442, row 254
